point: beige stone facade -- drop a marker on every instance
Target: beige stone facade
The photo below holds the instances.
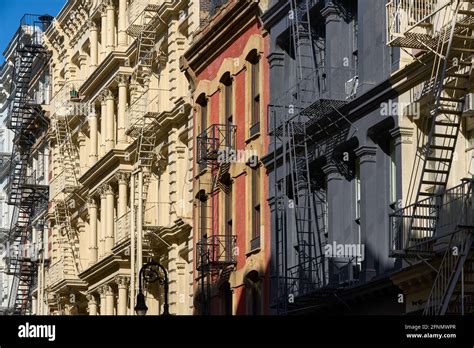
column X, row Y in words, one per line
column 121, row 156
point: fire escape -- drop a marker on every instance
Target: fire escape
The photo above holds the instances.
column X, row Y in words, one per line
column 142, row 124
column 27, row 122
column 301, row 118
column 215, row 250
column 427, row 229
column 67, row 105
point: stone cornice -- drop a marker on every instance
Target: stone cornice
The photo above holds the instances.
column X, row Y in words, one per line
column 103, row 170
column 224, row 28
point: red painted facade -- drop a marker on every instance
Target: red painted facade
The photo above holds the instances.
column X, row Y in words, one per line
column 208, row 66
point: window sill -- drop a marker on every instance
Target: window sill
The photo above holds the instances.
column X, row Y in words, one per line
column 252, row 137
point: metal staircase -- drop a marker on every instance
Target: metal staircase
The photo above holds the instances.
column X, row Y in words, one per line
column 27, row 121
column 68, row 239
column 66, row 106
column 302, row 37
column 303, row 206
column 439, row 222
column 450, row 88
column 298, row 225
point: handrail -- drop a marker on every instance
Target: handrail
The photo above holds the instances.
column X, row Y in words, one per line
column 429, row 223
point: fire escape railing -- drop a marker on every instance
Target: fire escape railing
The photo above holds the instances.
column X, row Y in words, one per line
column 215, row 139
column 436, row 217
column 216, row 251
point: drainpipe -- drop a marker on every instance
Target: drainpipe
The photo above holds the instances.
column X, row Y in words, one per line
column 140, row 220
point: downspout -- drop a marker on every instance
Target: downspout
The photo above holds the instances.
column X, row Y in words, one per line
column 132, row 244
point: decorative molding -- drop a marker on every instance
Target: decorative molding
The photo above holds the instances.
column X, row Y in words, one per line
column 122, row 281
column 122, row 178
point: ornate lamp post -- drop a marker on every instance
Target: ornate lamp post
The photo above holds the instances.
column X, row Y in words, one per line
column 150, row 273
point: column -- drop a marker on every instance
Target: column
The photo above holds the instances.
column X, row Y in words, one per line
column 109, row 218
column 122, row 179
column 81, row 139
column 109, row 299
column 92, row 207
column 336, row 196
column 94, row 43
column 110, row 26
column 93, row 137
column 103, row 304
column 103, row 120
column 103, row 32
column 339, row 58
column 110, row 122
column 173, row 277
column 122, row 107
column 103, row 222
column 92, row 304
column 122, row 23
column 368, row 205
column 122, row 283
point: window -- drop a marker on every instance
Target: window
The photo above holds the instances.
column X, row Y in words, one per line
column 470, row 137
column 255, row 240
column 203, row 215
column 228, row 216
column 202, row 102
column 228, row 100
column 255, row 93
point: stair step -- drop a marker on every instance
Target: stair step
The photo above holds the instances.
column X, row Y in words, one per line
column 450, row 112
column 466, row 12
column 441, row 147
column 463, row 37
column 426, row 205
column 455, row 88
column 463, row 49
column 438, row 159
column 430, row 182
column 465, row 25
column 427, row 194
column 441, row 135
column 446, row 124
column 428, row 217
column 417, row 228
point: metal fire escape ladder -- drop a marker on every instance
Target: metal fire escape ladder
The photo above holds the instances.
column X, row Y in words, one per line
column 65, row 108
column 24, row 192
column 455, row 257
column 302, row 34
column 144, row 30
column 303, row 206
column 450, row 89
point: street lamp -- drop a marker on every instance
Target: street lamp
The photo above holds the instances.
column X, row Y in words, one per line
column 150, row 273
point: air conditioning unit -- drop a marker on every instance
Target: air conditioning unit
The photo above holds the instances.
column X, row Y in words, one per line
column 351, row 87
column 469, row 105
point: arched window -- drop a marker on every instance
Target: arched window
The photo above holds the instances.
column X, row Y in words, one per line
column 228, row 91
column 203, row 115
column 254, row 59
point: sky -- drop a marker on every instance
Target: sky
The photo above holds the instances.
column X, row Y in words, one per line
column 11, row 12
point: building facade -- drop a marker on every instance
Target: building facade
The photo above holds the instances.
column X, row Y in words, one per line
column 347, row 126
column 228, row 70
column 121, row 156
